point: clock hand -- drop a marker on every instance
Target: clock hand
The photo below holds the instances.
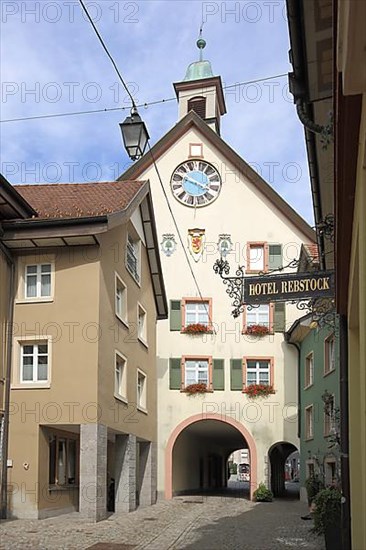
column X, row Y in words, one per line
column 202, row 185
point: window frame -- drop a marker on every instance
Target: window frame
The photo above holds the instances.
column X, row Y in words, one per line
column 117, row 394
column 142, row 337
column 309, row 436
column 141, row 407
column 197, row 358
column 257, row 359
column 68, row 437
column 311, row 383
column 191, row 146
column 258, row 244
column 190, row 300
column 17, row 375
column 270, row 318
column 328, row 425
column 136, row 242
column 118, row 281
column 330, row 338
column 23, row 264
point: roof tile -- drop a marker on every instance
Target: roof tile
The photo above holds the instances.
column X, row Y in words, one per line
column 79, row 200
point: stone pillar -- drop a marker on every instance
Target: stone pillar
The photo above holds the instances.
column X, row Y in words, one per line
column 148, row 473
column 125, row 464
column 93, row 472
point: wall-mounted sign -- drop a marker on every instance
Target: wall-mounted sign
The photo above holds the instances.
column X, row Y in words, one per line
column 168, row 244
column 281, row 288
column 196, row 242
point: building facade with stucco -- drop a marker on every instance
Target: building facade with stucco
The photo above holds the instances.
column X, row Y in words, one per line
column 86, row 295
column 209, row 202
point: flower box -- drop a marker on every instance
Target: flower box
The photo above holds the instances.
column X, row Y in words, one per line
column 259, row 390
column 196, row 328
column 257, row 330
column 193, row 389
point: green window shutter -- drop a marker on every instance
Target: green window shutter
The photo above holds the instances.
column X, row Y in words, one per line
column 218, row 374
column 275, row 256
column 175, row 315
column 236, row 374
column 279, row 324
column 175, row 374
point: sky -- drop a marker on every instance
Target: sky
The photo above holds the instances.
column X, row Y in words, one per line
column 52, row 62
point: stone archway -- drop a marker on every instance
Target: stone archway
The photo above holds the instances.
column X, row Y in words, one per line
column 246, row 435
column 278, row 454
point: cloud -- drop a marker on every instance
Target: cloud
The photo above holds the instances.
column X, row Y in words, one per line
column 56, row 54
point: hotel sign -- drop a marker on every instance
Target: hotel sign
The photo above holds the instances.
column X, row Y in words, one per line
column 281, row 288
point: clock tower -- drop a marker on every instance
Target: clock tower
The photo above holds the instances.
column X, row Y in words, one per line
column 201, row 91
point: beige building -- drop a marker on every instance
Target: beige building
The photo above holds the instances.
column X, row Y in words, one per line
column 88, row 291
column 208, row 199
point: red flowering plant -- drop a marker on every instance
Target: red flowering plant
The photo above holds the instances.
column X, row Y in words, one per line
column 192, row 389
column 196, row 328
column 259, row 390
column 257, row 330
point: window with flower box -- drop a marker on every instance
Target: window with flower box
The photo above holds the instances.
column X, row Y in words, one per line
column 196, row 315
column 257, row 371
column 187, row 370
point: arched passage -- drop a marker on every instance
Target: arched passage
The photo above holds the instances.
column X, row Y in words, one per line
column 278, row 454
column 201, row 438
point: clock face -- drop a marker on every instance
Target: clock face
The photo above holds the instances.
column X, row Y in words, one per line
column 195, row 183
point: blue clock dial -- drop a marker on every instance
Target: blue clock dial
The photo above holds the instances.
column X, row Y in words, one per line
column 195, row 183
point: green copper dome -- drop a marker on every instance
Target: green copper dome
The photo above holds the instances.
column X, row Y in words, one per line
column 199, row 69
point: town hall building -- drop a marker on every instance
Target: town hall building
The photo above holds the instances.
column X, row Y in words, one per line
column 209, row 203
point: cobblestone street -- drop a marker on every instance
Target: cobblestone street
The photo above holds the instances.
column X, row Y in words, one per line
column 192, row 522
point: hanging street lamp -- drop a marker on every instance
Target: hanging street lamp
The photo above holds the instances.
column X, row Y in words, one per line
column 135, row 135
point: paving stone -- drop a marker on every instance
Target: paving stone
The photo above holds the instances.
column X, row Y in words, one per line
column 190, row 523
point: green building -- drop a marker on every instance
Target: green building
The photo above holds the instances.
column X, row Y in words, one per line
column 318, row 404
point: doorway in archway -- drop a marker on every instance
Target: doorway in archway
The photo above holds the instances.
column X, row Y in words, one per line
column 197, row 457
column 284, row 481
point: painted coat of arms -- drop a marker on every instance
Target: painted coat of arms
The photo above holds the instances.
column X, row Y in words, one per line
column 196, row 242
column 168, row 244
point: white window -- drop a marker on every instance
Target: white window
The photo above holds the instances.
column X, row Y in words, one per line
column 309, row 422
column 309, row 370
column 141, row 324
column 121, row 299
column 329, row 354
column 141, row 389
column 38, row 281
column 133, row 257
column 197, row 312
column 257, row 371
column 34, row 362
column 256, row 258
column 196, row 372
column 258, row 315
column 120, row 376
column 329, row 416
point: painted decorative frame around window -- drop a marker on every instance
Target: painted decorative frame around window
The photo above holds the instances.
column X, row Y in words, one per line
column 258, row 261
column 206, row 312
column 196, row 150
column 141, row 390
column 256, row 312
column 32, row 354
column 270, row 370
column 309, row 422
column 329, row 354
column 120, row 294
column 197, row 359
column 120, row 376
column 309, row 370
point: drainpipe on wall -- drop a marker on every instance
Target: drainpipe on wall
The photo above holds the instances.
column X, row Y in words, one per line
column 287, row 338
column 5, row 431
column 346, row 491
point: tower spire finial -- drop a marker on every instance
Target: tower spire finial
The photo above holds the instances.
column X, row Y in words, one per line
column 201, row 43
